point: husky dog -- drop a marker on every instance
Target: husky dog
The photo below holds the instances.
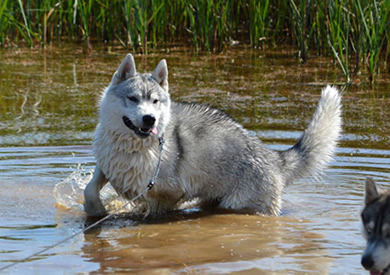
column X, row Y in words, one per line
column 207, row 155
column 376, row 229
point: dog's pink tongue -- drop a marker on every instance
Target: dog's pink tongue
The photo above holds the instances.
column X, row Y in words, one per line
column 154, row 131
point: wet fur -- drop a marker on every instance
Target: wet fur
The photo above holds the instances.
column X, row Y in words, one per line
column 207, row 155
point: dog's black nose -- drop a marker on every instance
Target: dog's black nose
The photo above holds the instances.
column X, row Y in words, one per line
column 148, row 120
column 367, row 261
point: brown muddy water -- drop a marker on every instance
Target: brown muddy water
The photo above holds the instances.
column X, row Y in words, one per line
column 47, row 117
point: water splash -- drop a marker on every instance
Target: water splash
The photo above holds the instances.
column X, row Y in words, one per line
column 69, row 192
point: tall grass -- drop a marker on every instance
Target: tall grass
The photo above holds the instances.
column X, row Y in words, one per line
column 302, row 27
column 4, row 21
column 355, row 32
column 376, row 21
column 258, row 22
column 339, row 24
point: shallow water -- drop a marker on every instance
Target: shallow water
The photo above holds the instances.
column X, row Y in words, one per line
column 47, row 118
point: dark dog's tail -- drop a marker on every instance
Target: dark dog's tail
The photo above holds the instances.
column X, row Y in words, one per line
column 316, row 147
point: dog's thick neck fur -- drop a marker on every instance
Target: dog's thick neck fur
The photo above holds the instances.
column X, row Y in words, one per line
column 126, row 160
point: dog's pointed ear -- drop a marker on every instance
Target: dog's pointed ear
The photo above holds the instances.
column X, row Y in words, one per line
column 372, row 192
column 125, row 70
column 160, row 74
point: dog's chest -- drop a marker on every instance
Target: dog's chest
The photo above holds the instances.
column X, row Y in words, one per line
column 128, row 164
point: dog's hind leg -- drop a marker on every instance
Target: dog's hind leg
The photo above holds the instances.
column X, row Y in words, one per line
column 92, row 203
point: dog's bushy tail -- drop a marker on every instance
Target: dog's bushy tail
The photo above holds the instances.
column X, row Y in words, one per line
column 316, row 147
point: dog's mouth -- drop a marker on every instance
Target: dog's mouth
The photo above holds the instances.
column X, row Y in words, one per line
column 141, row 132
column 383, row 272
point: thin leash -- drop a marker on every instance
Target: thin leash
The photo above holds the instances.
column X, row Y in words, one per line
column 147, row 188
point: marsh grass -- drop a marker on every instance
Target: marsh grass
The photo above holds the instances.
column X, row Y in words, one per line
column 355, row 32
column 259, row 22
column 338, row 33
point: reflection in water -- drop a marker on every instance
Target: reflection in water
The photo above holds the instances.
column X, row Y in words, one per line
column 236, row 242
column 47, row 118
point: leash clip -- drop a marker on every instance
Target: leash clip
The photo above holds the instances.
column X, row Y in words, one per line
column 151, row 184
column 161, row 142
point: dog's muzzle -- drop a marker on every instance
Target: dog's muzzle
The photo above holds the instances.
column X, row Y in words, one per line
column 141, row 132
column 368, row 263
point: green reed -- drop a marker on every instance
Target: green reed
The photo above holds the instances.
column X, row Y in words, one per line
column 355, row 32
column 259, row 24
column 338, row 34
column 375, row 20
column 4, row 21
column 301, row 28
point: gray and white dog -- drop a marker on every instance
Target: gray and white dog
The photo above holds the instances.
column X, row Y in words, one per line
column 376, row 229
column 207, row 155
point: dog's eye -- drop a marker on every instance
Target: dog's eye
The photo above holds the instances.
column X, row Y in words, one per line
column 155, row 101
column 368, row 230
column 370, row 227
column 133, row 98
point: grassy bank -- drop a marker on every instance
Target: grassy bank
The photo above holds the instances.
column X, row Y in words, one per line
column 355, row 32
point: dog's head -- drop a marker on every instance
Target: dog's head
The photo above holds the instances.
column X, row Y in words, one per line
column 376, row 229
column 137, row 104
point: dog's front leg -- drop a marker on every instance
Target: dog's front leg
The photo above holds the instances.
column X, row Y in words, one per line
column 92, row 203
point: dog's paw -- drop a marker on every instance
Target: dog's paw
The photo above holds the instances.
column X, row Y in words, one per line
column 95, row 209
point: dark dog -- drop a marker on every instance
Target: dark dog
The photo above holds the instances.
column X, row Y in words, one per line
column 376, row 229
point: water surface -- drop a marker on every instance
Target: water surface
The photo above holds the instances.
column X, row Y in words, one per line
column 48, row 115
